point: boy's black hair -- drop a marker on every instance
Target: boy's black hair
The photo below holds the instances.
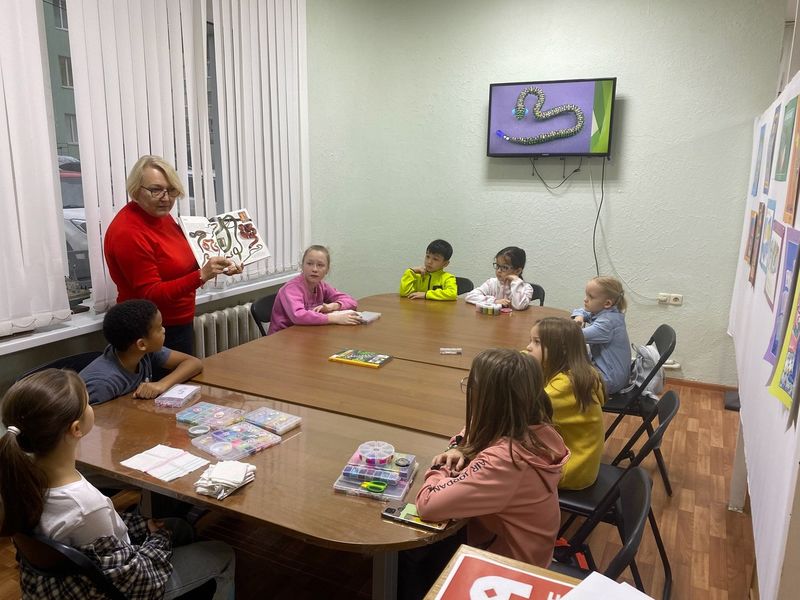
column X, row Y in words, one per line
column 440, row 247
column 128, row 321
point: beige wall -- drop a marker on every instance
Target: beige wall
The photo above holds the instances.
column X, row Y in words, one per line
column 398, row 101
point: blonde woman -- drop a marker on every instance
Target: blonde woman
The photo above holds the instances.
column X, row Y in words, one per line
column 148, row 257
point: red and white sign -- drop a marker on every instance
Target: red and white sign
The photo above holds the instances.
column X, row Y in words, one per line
column 477, row 578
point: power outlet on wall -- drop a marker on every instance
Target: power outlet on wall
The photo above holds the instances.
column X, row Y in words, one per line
column 670, row 298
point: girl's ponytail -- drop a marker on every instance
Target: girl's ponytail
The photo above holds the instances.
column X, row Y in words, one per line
column 37, row 411
column 22, row 486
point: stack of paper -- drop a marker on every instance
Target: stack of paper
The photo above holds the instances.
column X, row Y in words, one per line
column 165, row 463
column 599, row 587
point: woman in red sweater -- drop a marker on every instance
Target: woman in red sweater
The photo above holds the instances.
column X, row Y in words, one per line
column 148, row 256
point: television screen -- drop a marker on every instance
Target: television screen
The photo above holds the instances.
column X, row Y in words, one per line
column 569, row 117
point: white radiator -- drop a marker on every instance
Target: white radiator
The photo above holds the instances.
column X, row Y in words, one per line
column 222, row 329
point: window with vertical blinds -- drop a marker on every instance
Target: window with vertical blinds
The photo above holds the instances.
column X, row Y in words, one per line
column 222, row 96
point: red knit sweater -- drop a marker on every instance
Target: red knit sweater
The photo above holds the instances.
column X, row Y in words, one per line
column 148, row 257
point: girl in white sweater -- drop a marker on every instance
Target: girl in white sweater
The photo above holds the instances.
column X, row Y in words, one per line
column 506, row 288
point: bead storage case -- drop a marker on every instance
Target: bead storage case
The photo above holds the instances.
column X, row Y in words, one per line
column 407, row 463
column 213, row 415
column 377, row 462
column 236, row 441
column 273, row 420
column 363, row 473
column 392, row 492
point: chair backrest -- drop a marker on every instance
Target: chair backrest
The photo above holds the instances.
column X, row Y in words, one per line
column 464, row 285
column 537, row 293
column 633, row 506
column 54, row 559
column 664, row 339
column 261, row 310
column 76, row 362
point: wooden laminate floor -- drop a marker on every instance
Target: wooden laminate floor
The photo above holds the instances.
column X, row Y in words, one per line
column 710, row 548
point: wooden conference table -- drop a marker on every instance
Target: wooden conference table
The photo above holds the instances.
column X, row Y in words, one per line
column 293, row 489
column 419, row 389
column 413, row 402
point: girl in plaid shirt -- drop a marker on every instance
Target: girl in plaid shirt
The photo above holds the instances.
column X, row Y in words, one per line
column 46, row 415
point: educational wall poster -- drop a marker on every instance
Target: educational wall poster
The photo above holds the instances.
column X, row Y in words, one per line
column 791, row 245
column 774, row 247
column 766, row 234
column 756, row 244
column 748, row 247
column 232, row 234
column 773, row 134
column 757, row 169
column 794, row 177
column 766, row 324
column 784, row 379
column 785, row 146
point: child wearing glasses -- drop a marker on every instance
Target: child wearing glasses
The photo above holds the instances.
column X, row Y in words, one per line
column 603, row 321
column 501, row 472
column 506, row 288
column 577, row 394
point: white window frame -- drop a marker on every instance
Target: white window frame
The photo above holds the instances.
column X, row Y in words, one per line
column 71, row 122
column 60, row 14
column 65, row 70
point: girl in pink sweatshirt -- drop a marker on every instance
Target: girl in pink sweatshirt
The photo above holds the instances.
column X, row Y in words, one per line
column 502, row 471
column 308, row 300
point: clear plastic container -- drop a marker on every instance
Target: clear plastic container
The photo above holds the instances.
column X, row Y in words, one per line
column 236, row 441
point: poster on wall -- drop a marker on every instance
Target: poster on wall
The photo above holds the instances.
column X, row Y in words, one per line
column 784, row 379
column 766, row 234
column 756, row 244
column 791, row 244
column 773, row 134
column 759, row 155
column 748, row 247
column 790, row 205
column 773, row 253
column 785, row 146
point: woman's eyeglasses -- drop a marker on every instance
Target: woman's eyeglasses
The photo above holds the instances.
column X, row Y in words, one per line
column 159, row 193
column 501, row 268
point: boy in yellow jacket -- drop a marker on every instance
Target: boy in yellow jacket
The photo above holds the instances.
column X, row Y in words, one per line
column 430, row 281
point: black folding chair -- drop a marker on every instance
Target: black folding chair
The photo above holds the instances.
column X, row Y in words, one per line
column 50, row 558
column 537, row 294
column 54, row 559
column 76, row 362
column 632, row 507
column 597, row 502
column 464, row 285
column 636, row 403
column 261, row 310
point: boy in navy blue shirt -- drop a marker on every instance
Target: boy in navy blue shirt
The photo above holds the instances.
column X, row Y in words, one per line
column 136, row 350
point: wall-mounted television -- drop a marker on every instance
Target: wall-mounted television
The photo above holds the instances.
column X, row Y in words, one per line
column 568, row 117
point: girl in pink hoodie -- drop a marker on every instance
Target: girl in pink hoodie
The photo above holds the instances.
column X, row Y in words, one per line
column 502, row 471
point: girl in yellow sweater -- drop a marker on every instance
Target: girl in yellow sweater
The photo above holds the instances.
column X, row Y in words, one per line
column 577, row 393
